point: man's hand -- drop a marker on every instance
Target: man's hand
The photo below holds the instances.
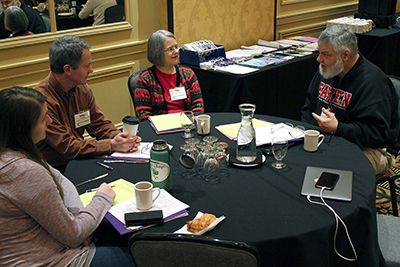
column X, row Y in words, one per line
column 124, row 143
column 328, row 124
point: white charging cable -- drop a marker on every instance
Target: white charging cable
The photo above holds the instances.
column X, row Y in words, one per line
column 337, row 217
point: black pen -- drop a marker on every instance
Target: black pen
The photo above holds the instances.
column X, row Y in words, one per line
column 104, row 165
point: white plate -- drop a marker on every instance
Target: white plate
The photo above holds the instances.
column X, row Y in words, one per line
column 247, row 165
column 65, row 14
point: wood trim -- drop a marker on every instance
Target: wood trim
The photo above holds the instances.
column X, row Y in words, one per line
column 111, row 71
column 290, row 2
column 317, row 9
column 51, row 37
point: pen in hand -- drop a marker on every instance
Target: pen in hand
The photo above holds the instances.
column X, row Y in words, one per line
column 104, row 165
column 94, row 189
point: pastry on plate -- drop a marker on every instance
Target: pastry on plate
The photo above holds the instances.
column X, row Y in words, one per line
column 201, row 223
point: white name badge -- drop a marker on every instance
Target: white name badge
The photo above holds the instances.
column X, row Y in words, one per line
column 82, row 118
column 177, row 93
column 323, row 115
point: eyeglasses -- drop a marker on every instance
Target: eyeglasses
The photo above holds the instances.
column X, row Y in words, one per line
column 172, row 48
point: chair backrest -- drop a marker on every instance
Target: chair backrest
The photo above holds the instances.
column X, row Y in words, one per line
column 46, row 21
column 132, row 82
column 175, row 250
column 114, row 14
column 396, row 82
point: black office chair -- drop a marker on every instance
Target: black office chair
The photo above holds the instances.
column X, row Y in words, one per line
column 175, row 250
column 114, row 14
column 390, row 179
column 132, row 81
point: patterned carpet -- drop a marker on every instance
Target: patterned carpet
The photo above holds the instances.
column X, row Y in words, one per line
column 383, row 203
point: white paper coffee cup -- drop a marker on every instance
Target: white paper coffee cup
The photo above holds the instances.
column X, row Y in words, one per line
column 130, row 125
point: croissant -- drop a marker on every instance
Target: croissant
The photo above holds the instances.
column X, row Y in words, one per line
column 201, row 223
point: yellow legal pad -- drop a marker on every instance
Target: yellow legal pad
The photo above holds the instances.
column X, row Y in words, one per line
column 167, row 123
column 231, row 130
column 124, row 190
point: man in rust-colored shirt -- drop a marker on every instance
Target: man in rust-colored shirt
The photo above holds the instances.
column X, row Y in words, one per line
column 73, row 108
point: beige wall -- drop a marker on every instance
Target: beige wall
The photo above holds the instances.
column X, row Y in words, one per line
column 231, row 23
column 309, row 17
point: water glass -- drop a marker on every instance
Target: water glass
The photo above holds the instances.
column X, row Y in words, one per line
column 279, row 149
column 187, row 122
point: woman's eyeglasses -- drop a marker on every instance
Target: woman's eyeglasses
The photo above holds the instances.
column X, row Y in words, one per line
column 172, row 48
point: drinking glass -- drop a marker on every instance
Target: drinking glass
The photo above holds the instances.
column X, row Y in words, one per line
column 192, row 141
column 279, row 149
column 210, row 139
column 187, row 122
column 201, row 158
column 221, row 146
column 223, row 171
column 211, row 166
column 192, row 152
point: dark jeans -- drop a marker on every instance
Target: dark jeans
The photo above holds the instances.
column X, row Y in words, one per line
column 111, row 248
column 112, row 256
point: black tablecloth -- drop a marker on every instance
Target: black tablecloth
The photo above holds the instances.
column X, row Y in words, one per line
column 381, row 47
column 263, row 206
column 277, row 90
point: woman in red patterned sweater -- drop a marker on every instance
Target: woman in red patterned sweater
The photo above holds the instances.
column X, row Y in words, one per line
column 166, row 87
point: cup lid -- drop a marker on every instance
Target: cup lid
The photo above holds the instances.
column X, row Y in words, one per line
column 130, row 120
column 159, row 145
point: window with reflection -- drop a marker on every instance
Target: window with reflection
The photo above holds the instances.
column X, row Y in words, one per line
column 69, row 14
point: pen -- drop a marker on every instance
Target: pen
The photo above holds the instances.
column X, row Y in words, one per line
column 94, row 189
column 104, row 165
column 94, row 179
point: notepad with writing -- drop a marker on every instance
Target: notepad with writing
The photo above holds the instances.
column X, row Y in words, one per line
column 124, row 190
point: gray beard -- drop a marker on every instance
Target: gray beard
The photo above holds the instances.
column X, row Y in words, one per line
column 332, row 71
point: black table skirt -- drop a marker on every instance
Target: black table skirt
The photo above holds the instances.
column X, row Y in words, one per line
column 263, row 206
column 381, row 47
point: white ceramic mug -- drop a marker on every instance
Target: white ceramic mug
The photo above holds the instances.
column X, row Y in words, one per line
column 203, row 124
column 312, row 140
column 144, row 195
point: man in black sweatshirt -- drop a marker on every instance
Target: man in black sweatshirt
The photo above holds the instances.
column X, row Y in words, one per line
column 353, row 98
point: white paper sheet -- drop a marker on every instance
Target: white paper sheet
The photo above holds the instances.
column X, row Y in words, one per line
column 143, row 152
column 264, row 135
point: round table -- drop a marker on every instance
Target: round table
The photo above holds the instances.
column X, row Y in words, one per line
column 264, row 206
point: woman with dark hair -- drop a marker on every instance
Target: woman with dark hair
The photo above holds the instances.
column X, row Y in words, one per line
column 43, row 220
column 166, row 87
column 16, row 21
